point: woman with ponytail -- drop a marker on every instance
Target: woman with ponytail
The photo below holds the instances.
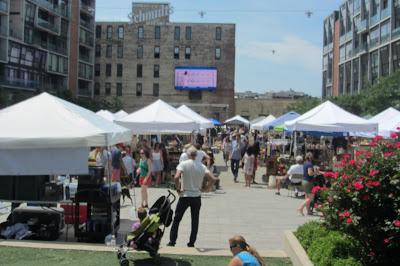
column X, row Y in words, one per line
column 244, row 255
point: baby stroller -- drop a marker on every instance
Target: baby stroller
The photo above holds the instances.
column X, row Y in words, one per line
column 148, row 236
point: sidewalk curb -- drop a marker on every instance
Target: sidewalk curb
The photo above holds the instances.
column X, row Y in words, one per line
column 296, row 252
column 103, row 248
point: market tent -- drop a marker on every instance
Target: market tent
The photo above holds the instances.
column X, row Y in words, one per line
column 158, row 118
column 279, row 128
column 261, row 125
column 106, row 115
column 46, row 134
column 258, row 119
column 237, row 120
column 282, row 119
column 120, row 114
column 330, row 118
column 204, row 123
column 388, row 121
column 215, row 122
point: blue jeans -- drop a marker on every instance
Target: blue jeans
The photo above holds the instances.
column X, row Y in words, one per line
column 235, row 167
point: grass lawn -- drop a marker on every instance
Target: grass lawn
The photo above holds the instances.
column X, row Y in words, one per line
column 50, row 257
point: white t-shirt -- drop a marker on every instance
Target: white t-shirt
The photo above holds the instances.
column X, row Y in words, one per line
column 183, row 157
column 296, row 169
column 192, row 177
column 200, row 155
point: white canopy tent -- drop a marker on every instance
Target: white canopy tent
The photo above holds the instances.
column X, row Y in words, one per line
column 261, row 124
column 47, row 135
column 158, row 118
column 203, row 122
column 120, row 114
column 237, row 121
column 330, row 118
column 388, row 120
column 106, row 115
column 258, row 119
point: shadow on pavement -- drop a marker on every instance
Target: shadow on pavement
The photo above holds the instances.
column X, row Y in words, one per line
column 164, row 261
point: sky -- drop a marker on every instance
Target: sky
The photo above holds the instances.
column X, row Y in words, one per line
column 278, row 47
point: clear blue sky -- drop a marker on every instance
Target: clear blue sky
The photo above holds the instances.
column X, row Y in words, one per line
column 261, row 26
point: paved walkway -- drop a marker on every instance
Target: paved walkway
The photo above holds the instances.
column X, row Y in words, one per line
column 256, row 213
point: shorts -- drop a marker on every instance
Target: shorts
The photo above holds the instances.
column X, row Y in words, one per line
column 307, row 186
column 142, row 179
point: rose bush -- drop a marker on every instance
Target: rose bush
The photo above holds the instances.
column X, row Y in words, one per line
column 364, row 201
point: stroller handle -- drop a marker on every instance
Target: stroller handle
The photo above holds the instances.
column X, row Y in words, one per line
column 170, row 193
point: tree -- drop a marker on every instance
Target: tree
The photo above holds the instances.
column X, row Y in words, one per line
column 350, row 103
column 304, row 104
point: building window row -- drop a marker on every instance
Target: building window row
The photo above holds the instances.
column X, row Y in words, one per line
column 107, row 89
column 109, row 32
column 120, row 51
column 97, row 70
column 139, row 71
column 188, row 52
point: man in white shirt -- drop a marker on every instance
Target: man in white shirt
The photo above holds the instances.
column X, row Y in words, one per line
column 295, row 174
column 188, row 181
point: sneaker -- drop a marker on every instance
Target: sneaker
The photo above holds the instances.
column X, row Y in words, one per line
column 190, row 245
column 170, row 244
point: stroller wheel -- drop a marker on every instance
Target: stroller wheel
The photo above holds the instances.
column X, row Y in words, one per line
column 156, row 258
column 124, row 262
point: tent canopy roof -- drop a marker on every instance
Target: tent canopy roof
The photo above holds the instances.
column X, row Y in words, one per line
column 237, row 120
column 158, row 118
column 388, row 121
column 262, row 125
column 282, row 119
column 106, row 115
column 120, row 114
column 328, row 117
column 45, row 121
column 202, row 121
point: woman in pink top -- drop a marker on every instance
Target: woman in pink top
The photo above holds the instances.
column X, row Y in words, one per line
column 248, row 165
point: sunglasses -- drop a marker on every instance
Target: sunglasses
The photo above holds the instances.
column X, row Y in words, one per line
column 233, row 246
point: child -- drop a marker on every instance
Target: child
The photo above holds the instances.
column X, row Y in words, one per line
column 142, row 214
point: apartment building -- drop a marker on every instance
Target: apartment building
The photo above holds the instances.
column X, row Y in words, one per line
column 139, row 61
column 43, row 43
column 361, row 43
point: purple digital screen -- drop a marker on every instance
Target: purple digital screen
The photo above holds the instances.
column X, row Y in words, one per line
column 195, row 78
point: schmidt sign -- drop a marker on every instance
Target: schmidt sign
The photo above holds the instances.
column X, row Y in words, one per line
column 150, row 15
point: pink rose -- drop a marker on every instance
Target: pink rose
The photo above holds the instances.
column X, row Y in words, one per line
column 349, row 220
column 373, row 172
column 358, row 186
column 396, row 223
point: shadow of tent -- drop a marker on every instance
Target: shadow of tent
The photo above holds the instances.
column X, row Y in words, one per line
column 164, row 261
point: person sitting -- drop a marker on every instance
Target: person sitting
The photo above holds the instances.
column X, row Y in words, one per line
column 142, row 214
column 244, row 255
column 281, row 173
column 294, row 171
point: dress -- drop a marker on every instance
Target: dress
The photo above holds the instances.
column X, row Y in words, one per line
column 144, row 170
column 248, row 166
column 157, row 164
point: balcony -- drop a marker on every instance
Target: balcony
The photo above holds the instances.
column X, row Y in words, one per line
column 86, row 58
column 3, row 28
column 385, row 13
column 363, row 48
column 47, row 25
column 87, row 8
column 373, row 43
column 86, row 38
column 4, row 7
column 363, row 25
column 395, row 33
column 20, row 83
column 385, row 38
column 374, row 19
column 3, row 50
column 87, row 24
column 59, row 10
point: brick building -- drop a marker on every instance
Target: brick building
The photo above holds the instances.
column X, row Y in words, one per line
column 136, row 61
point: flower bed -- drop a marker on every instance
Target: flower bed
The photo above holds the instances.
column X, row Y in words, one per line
column 363, row 205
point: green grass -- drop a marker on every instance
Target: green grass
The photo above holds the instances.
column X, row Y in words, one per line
column 50, row 257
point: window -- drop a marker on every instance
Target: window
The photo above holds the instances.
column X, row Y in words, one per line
column 120, row 32
column 195, row 95
column 29, row 13
column 384, row 4
column 177, row 33
column 188, row 33
column 97, row 70
column 28, row 34
column 139, row 70
column 120, row 51
column 157, row 32
column 109, row 32
column 156, row 71
column 217, row 53
column 98, row 50
column 109, row 51
column 396, row 7
column 396, row 56
column 140, row 52
column 138, row 89
column 97, row 88
column 188, row 52
column 348, row 77
column 374, row 67
column 374, row 37
column 218, row 33
column 157, row 52
column 385, row 31
column 341, row 79
column 364, row 70
column 342, row 53
column 108, row 70
column 98, row 31
column 119, row 89
column 119, row 70
column 356, row 72
column 108, row 88
column 156, row 89
column 349, row 48
column 140, row 32
column 176, row 52
column 384, row 61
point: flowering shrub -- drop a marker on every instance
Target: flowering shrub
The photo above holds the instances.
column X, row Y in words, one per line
column 364, row 201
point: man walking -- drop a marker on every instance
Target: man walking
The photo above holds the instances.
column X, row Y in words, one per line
column 188, row 181
column 235, row 156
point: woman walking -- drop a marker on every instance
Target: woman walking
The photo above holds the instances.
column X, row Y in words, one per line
column 144, row 171
column 248, row 165
column 227, row 149
column 244, row 255
column 307, row 183
column 157, row 163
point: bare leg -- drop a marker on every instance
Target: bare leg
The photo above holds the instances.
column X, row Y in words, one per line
column 310, row 199
column 143, row 191
column 304, row 204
